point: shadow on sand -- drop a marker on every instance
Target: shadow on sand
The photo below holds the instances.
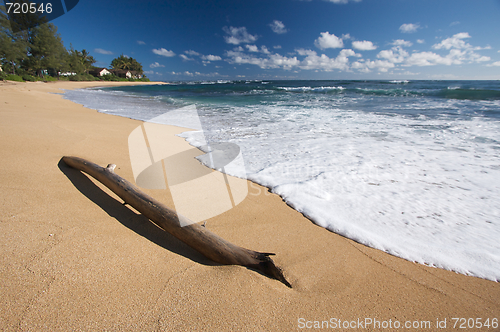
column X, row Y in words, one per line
column 129, row 218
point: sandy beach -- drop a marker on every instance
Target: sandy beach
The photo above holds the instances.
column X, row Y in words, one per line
column 73, row 258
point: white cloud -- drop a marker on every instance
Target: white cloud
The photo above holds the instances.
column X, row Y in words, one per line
column 402, row 42
column 454, row 23
column 163, row 52
column 315, row 62
column 197, row 73
column 364, row 45
column 271, row 61
column 150, row 72
column 211, row 57
column 380, row 65
column 395, row 55
column 494, row 64
column 277, row 47
column 460, row 51
column 140, row 42
column 312, row 60
column 327, row 40
column 191, row 52
column 430, row 59
column 420, row 41
column 368, row 66
column 454, row 42
column 252, row 48
column 101, row 51
column 409, row 28
column 185, row 57
column 155, row 65
column 304, row 52
column 346, row 52
column 278, row 27
column 238, row 36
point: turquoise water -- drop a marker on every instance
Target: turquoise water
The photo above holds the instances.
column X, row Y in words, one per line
column 408, row 167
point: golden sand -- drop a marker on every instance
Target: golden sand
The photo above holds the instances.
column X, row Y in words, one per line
column 73, row 258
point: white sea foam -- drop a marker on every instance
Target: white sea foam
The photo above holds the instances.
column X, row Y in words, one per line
column 309, row 88
column 425, row 188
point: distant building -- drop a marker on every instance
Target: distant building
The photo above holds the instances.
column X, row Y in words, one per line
column 98, row 72
column 126, row 73
column 66, row 74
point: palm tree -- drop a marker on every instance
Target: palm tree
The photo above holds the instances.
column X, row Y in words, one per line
column 122, row 62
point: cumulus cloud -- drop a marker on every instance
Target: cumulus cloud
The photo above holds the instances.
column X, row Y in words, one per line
column 278, row 27
column 364, row 45
column 457, row 41
column 402, row 42
column 191, row 52
column 211, row 57
column 101, row 51
column 380, row 65
column 430, row 59
column 327, row 40
column 420, row 41
column 264, row 50
column 206, row 59
column 140, row 42
column 270, row 61
column 325, row 63
column 311, row 60
column 494, row 64
column 395, row 55
column 163, row 52
column 196, row 73
column 155, row 65
column 252, row 48
column 185, row 57
column 409, row 28
column 238, row 36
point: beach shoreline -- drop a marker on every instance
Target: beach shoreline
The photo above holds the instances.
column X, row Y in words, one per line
column 73, row 258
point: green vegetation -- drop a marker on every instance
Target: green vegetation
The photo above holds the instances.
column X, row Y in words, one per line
column 12, row 77
column 79, row 62
column 126, row 63
column 83, row 77
column 38, row 54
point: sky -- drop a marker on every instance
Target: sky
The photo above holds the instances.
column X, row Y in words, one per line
column 292, row 39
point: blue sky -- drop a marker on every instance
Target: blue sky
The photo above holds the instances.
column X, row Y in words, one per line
column 292, row 39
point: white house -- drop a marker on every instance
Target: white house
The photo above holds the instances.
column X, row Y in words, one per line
column 99, row 72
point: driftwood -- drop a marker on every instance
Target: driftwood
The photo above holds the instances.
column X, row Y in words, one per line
column 198, row 237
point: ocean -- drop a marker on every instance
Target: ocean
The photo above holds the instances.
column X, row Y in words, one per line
column 408, row 167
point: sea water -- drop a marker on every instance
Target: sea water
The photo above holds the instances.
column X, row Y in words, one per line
column 408, row 167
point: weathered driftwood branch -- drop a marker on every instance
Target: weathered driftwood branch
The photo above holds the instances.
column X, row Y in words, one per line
column 198, row 237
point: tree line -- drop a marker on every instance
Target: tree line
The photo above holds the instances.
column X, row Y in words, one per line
column 38, row 51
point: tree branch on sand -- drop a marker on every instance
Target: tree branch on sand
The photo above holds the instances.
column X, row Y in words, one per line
column 196, row 236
